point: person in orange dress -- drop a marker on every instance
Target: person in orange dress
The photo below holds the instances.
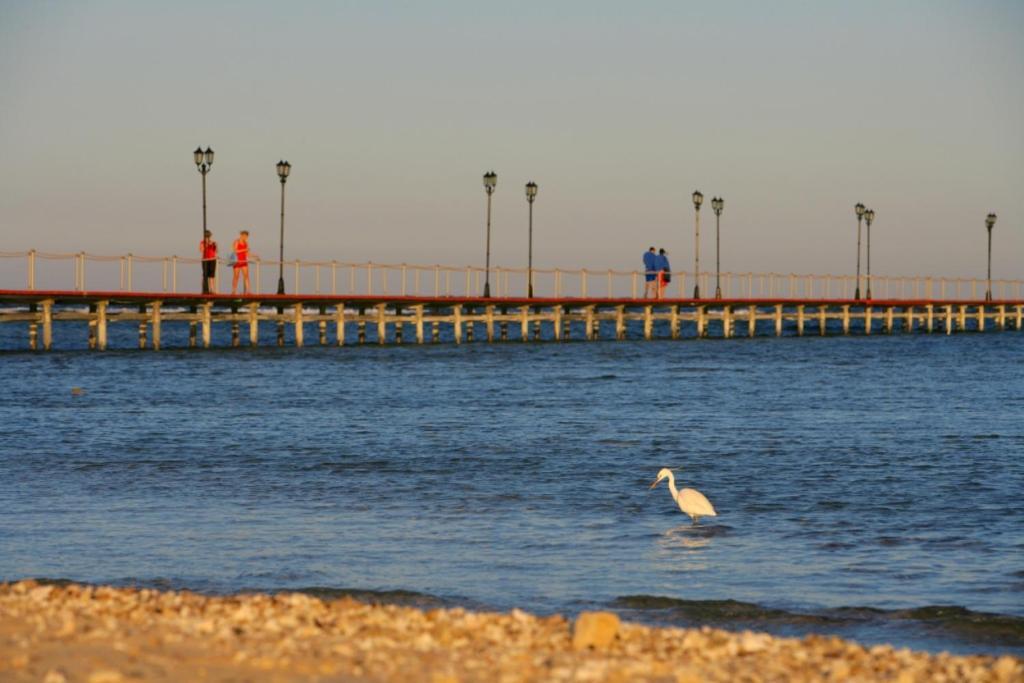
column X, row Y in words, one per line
column 241, row 264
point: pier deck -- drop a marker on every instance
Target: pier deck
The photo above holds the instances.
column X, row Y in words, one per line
column 341, row 320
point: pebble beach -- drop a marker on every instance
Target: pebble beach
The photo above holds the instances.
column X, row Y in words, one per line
column 72, row 633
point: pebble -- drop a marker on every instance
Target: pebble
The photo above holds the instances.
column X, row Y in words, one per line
column 109, row 635
column 595, row 630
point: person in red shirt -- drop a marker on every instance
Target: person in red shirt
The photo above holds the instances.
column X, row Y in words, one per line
column 208, row 252
column 241, row 264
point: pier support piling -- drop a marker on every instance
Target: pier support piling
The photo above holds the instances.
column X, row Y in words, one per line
column 156, row 315
column 47, row 305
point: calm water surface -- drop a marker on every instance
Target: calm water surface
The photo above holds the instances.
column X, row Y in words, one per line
column 870, row 487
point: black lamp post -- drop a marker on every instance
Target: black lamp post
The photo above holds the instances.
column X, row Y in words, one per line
column 283, row 169
column 531, row 194
column 698, row 199
column 717, row 204
column 490, row 182
column 859, row 209
column 990, row 220
column 869, row 217
column 204, row 161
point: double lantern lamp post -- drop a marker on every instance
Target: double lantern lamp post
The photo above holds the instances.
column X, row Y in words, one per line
column 698, row 199
column 204, row 161
column 531, row 194
column 859, row 210
column 283, row 169
column 717, row 204
column 490, row 182
column 869, row 218
column 990, row 221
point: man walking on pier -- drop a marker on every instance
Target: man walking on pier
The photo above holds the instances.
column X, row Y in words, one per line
column 650, row 273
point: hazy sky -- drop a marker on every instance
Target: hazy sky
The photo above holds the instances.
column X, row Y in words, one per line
column 390, row 112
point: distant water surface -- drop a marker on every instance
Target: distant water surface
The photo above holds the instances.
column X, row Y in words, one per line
column 870, row 487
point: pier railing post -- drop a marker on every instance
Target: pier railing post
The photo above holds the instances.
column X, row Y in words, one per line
column 31, row 269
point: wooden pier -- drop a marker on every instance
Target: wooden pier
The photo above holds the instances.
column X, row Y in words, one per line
column 332, row 320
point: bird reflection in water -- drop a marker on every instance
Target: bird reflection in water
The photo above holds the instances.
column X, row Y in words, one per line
column 682, row 549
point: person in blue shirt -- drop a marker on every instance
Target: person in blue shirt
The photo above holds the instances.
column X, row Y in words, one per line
column 664, row 272
column 650, row 273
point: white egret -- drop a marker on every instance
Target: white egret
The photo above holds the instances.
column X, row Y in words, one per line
column 690, row 501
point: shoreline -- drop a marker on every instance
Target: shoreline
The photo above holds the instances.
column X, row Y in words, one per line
column 73, row 632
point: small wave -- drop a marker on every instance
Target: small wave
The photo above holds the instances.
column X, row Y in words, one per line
column 951, row 620
column 405, row 598
column 710, row 611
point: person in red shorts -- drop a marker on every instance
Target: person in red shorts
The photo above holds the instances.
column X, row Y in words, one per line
column 664, row 272
column 241, row 264
column 208, row 252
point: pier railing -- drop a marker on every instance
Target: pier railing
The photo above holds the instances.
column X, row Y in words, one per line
column 82, row 272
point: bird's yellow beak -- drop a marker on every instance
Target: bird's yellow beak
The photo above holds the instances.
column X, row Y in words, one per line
column 656, row 482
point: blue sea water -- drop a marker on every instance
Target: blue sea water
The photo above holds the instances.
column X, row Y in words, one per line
column 868, row 487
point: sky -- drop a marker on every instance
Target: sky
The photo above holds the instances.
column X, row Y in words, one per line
column 390, row 113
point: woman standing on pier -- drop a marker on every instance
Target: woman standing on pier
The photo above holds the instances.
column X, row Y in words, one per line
column 208, row 252
column 664, row 273
column 241, row 264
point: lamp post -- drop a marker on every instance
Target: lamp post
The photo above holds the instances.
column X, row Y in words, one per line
column 283, row 169
column 490, row 182
column 869, row 217
column 698, row 199
column 531, row 194
column 990, row 220
column 204, row 161
column 859, row 209
column 717, row 204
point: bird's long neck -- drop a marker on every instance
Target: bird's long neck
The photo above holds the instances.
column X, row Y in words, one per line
column 672, row 487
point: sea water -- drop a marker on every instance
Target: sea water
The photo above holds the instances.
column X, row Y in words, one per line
column 867, row 487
